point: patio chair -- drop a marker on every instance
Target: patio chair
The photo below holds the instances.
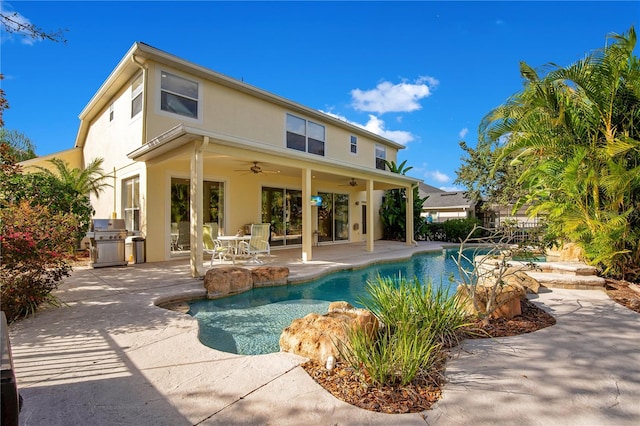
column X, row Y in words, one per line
column 212, row 246
column 174, row 236
column 184, row 236
column 213, row 228
column 259, row 242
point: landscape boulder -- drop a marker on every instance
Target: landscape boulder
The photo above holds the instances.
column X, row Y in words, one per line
column 265, row 276
column 507, row 298
column 568, row 252
column 227, row 280
column 519, row 276
column 315, row 336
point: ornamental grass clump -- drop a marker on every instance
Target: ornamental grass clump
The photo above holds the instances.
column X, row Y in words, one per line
column 418, row 321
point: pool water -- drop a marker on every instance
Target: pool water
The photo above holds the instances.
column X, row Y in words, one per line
column 250, row 323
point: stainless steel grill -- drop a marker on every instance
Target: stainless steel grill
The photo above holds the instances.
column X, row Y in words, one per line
column 107, row 238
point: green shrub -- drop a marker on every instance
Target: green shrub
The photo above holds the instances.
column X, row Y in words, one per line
column 435, row 231
column 457, row 230
column 36, row 246
column 47, row 190
column 418, row 320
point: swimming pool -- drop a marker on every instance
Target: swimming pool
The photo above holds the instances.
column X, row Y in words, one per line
column 250, row 323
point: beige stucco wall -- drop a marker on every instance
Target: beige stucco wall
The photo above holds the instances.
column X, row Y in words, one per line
column 112, row 140
column 235, row 113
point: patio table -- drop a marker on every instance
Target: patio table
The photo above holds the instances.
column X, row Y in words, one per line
column 232, row 242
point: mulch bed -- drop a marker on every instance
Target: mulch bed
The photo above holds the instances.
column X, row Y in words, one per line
column 623, row 293
column 346, row 385
column 420, row 395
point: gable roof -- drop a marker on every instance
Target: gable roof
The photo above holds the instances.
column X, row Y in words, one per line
column 428, row 189
column 135, row 59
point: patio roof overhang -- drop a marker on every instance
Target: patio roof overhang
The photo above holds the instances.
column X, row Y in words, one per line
column 169, row 144
column 199, row 146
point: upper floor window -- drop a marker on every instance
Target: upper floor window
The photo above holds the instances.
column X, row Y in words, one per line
column 131, row 203
column 354, row 145
column 136, row 96
column 381, row 155
column 111, row 112
column 178, row 95
column 304, row 135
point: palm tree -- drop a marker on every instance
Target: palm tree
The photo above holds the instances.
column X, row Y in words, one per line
column 91, row 179
column 394, row 207
column 576, row 131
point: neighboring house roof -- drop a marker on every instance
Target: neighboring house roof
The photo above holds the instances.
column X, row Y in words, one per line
column 424, row 190
column 439, row 200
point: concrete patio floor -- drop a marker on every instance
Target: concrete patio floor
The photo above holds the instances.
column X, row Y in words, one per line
column 110, row 356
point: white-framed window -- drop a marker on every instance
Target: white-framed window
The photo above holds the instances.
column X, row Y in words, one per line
column 354, row 145
column 131, row 203
column 179, row 95
column 136, row 96
column 381, row 155
column 111, row 113
column 305, row 135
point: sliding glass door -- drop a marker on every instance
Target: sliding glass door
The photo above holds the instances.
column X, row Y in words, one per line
column 282, row 208
column 213, row 210
column 333, row 217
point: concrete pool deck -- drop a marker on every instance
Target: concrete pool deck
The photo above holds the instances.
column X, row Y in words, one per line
column 111, row 357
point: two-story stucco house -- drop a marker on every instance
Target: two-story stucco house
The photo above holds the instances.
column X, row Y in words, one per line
column 188, row 146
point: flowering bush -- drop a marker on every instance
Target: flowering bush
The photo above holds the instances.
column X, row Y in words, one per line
column 35, row 249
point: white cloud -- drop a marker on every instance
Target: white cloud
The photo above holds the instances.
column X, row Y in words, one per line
column 389, row 97
column 340, row 117
column 437, row 176
column 463, row 133
column 14, row 23
column 377, row 126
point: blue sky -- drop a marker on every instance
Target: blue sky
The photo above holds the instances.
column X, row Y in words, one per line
column 420, row 73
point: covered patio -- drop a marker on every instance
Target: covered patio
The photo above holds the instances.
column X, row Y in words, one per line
column 245, row 168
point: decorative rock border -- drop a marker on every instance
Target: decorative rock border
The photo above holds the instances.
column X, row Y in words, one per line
column 223, row 281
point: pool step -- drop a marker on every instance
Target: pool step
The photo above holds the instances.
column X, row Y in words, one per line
column 571, row 268
column 566, row 280
column 571, row 275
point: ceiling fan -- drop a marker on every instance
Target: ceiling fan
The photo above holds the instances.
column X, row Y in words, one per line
column 255, row 169
column 352, row 182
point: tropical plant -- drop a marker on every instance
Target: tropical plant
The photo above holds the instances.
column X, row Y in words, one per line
column 417, row 321
column 91, row 179
column 574, row 132
column 393, row 211
column 43, row 189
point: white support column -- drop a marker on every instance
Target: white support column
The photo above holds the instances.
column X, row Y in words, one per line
column 370, row 216
column 307, row 225
column 196, row 203
column 409, row 216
